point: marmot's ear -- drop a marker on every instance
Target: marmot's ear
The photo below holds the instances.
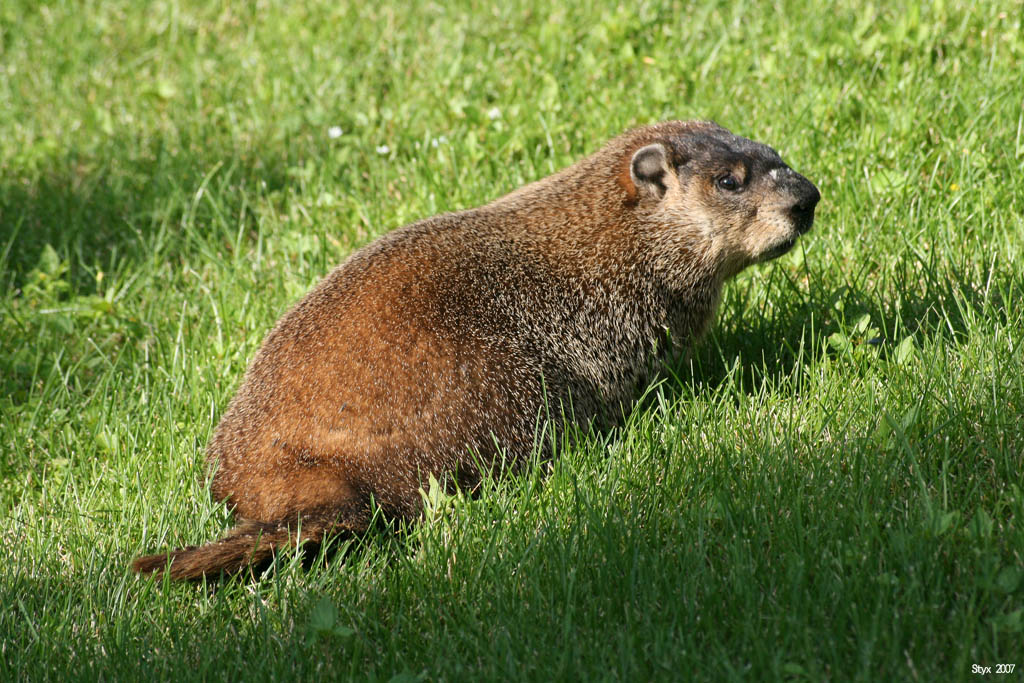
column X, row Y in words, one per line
column 648, row 168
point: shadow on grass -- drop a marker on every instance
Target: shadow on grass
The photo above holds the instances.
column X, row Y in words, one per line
column 99, row 209
column 945, row 302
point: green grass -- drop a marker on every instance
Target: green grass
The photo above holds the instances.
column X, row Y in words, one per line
column 831, row 488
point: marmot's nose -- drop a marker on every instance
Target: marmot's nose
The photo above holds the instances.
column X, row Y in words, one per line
column 807, row 197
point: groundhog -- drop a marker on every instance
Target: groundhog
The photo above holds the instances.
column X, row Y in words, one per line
column 444, row 348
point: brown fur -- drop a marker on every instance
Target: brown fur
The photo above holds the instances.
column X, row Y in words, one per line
column 436, row 350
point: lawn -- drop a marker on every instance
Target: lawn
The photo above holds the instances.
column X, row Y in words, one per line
column 829, row 488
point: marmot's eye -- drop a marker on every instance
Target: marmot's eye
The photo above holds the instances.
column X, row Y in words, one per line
column 728, row 182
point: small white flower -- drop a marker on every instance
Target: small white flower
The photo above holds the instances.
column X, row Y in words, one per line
column 493, row 113
column 440, row 140
column 334, row 132
column 383, row 149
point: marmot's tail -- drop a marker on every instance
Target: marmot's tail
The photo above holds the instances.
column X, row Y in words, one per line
column 248, row 543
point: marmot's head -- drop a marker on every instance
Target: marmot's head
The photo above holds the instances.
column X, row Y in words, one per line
column 720, row 197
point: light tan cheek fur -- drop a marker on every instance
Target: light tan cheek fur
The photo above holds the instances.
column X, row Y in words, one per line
column 701, row 234
column 730, row 243
column 684, row 231
column 772, row 226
